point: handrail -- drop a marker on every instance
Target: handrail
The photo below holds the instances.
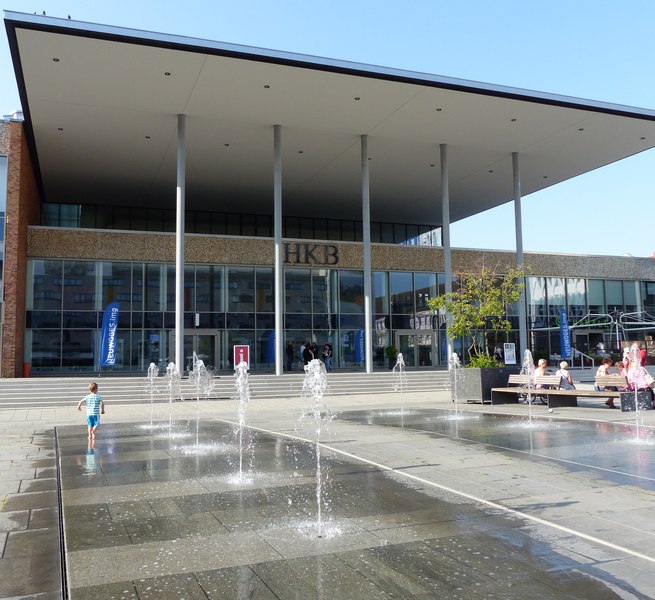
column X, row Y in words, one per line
column 577, row 354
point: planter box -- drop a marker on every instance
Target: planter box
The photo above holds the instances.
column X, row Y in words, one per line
column 474, row 385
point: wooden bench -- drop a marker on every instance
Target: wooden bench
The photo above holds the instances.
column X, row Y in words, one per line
column 625, row 395
column 522, row 387
column 554, row 397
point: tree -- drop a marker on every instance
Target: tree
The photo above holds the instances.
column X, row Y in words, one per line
column 479, row 307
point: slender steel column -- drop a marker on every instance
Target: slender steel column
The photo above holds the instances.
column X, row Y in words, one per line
column 277, row 238
column 179, row 242
column 445, row 236
column 366, row 237
column 518, row 224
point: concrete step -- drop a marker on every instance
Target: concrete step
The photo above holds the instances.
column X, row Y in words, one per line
column 66, row 390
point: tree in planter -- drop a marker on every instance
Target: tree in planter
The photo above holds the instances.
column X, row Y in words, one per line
column 479, row 308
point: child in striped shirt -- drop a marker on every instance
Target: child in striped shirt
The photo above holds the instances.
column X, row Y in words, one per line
column 94, row 408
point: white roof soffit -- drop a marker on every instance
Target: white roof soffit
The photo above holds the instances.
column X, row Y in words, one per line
column 101, row 106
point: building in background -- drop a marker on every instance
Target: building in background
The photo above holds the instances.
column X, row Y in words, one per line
column 231, row 195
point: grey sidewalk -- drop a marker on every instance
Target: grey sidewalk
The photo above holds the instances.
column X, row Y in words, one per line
column 585, row 524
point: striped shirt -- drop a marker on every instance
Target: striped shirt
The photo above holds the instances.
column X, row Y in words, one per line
column 93, row 404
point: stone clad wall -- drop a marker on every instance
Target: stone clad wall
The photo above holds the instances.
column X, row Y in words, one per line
column 46, row 242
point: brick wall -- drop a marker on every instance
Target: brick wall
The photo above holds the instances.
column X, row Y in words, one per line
column 23, row 209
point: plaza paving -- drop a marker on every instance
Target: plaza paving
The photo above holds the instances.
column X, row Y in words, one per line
column 414, row 502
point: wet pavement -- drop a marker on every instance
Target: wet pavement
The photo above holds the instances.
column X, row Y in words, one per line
column 414, row 503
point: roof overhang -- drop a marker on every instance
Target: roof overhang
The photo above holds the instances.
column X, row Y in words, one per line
column 101, row 106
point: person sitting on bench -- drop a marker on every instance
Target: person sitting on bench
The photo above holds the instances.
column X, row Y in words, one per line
column 603, row 371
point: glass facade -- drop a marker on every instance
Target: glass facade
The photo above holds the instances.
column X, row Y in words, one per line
column 220, row 223
column 594, row 308
column 225, row 305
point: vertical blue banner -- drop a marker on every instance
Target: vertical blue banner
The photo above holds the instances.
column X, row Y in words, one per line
column 270, row 348
column 564, row 334
column 359, row 346
column 108, row 335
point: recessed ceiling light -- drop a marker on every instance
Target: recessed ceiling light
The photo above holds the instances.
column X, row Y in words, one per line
column 147, row 137
column 438, row 109
column 545, row 176
column 357, row 98
column 491, row 170
column 581, row 129
column 55, row 59
column 60, row 128
column 267, row 86
column 513, row 120
column 300, row 152
column 167, row 73
column 226, row 145
column 369, row 158
column 432, row 165
column 643, row 138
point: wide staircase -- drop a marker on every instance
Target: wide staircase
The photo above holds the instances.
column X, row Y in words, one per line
column 60, row 391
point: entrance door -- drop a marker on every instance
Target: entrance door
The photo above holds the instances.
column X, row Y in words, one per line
column 418, row 349
column 204, row 342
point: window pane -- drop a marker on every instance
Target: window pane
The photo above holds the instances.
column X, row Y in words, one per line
column 380, row 292
column 556, row 298
column 297, row 286
column 77, row 350
column 241, row 289
column 307, row 229
column 117, row 284
column 596, row 296
column 575, row 293
column 232, row 224
column 320, row 229
column 614, row 295
column 153, row 288
column 631, row 295
column 209, row 288
column 334, row 229
column 386, row 233
column 351, row 291
column 79, row 288
column 46, row 350
column 45, row 286
column 535, row 288
column 348, row 231
column 248, row 225
column 402, row 300
column 320, row 290
column 265, row 288
column 426, row 288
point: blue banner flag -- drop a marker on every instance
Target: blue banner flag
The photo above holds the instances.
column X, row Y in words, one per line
column 360, row 354
column 108, row 338
column 564, row 334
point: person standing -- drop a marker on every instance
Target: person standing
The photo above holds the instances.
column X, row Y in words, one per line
column 289, row 351
column 327, row 355
column 302, row 362
column 94, row 408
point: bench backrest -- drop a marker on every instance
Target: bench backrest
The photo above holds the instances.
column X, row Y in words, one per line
column 611, row 381
column 541, row 380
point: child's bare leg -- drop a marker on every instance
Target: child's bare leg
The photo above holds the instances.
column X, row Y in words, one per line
column 93, row 431
column 90, row 432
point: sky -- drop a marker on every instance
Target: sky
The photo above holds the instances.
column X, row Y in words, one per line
column 593, row 49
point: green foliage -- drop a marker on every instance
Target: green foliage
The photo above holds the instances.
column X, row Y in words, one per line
column 484, row 361
column 391, row 351
column 479, row 306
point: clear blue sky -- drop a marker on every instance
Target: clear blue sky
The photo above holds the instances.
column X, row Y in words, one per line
column 593, row 49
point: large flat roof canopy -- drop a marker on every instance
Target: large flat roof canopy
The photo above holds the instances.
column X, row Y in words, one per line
column 101, row 106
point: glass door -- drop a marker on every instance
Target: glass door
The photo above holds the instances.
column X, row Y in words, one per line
column 204, row 342
column 418, row 349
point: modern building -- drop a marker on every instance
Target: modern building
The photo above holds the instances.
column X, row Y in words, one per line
column 226, row 195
